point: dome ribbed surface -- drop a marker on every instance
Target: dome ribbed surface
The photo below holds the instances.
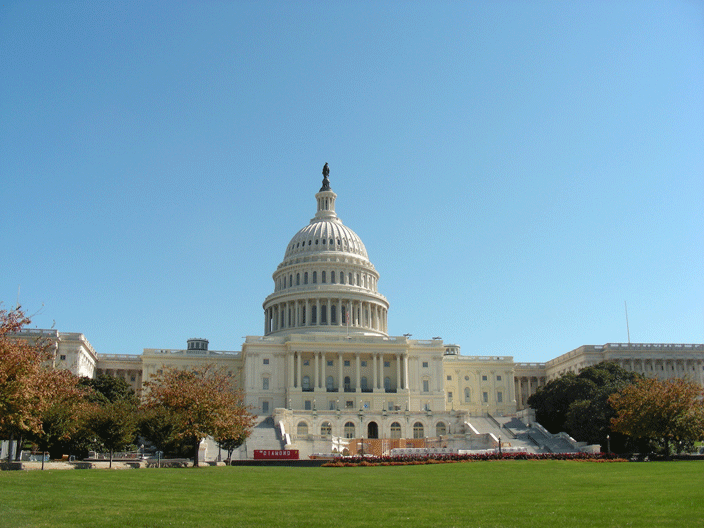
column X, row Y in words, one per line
column 325, row 235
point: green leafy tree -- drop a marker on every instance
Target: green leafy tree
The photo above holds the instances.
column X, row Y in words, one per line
column 109, row 389
column 115, row 424
column 669, row 412
column 579, row 403
column 158, row 426
column 204, row 403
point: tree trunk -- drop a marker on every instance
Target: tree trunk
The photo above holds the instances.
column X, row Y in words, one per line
column 196, row 448
column 9, row 449
column 43, row 457
column 110, row 466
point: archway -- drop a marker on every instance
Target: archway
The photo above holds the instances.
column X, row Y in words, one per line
column 372, row 430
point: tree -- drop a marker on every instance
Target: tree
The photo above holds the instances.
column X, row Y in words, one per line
column 107, row 389
column 203, row 402
column 579, row 403
column 670, row 411
column 115, row 424
column 25, row 386
column 159, row 426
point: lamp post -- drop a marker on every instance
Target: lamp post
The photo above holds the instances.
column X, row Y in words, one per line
column 608, row 443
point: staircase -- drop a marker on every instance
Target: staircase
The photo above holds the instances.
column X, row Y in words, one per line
column 264, row 436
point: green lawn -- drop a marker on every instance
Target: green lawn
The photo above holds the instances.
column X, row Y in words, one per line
column 543, row 494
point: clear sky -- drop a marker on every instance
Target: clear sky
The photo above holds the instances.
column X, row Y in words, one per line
column 516, row 170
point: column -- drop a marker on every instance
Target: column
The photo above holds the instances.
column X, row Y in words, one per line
column 317, row 312
column 358, row 387
column 375, row 361
column 399, row 382
column 316, row 379
column 340, row 387
column 291, row 362
column 298, row 370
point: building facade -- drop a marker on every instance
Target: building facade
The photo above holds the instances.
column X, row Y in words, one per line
column 325, row 366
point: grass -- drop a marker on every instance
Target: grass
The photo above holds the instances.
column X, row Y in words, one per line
column 482, row 494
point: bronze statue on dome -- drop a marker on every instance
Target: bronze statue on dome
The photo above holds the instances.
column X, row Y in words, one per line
column 326, row 180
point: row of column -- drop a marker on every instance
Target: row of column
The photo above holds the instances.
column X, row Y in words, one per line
column 324, row 312
column 681, row 367
column 532, row 383
column 320, row 372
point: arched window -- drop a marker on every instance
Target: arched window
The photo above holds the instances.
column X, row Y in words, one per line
column 395, row 430
column 322, row 277
column 349, row 430
column 333, row 314
column 329, row 384
column 290, row 280
column 349, row 278
column 332, row 277
column 323, row 314
column 342, row 278
column 440, row 429
column 467, row 395
column 364, row 383
column 313, row 314
column 306, row 383
column 418, row 430
column 315, row 277
column 302, row 429
column 348, row 384
column 343, row 314
column 387, row 383
column 298, row 279
column 325, row 429
column 305, row 278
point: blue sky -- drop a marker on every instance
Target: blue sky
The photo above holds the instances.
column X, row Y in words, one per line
column 516, row 170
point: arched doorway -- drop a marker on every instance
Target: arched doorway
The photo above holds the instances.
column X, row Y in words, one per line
column 372, row 430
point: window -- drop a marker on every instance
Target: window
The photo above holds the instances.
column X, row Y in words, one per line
column 322, row 277
column 387, row 383
column 395, row 430
column 500, row 397
column 306, row 362
column 133, row 378
column 313, row 315
column 265, row 383
column 426, row 385
column 302, row 429
column 498, row 378
column 347, row 384
column 329, row 384
column 329, row 362
column 62, row 357
column 449, row 396
column 266, row 361
column 466, row 378
column 315, row 277
column 440, row 429
column 349, row 430
column 298, row 279
column 364, row 383
column 467, row 395
column 485, row 397
column 418, row 430
column 265, row 407
column 449, row 378
column 332, row 277
column 307, row 405
column 305, row 278
column 306, row 383
column 364, row 363
column 333, row 314
column 387, row 363
column 331, row 405
column 347, row 362
column 326, row 428
column 483, row 378
column 425, row 364
column 349, row 404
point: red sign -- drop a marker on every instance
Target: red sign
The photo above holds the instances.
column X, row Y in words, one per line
column 273, row 454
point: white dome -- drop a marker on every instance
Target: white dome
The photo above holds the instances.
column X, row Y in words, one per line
column 325, row 235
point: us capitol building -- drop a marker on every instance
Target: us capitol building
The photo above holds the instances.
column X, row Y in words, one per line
column 326, row 368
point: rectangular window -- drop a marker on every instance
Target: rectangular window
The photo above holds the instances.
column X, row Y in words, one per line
column 331, row 403
column 387, row 363
column 308, row 406
column 449, row 396
column 449, row 378
column 498, row 378
column 62, row 357
column 364, row 363
column 306, row 362
column 485, row 397
column 349, row 404
column 483, row 378
column 265, row 407
column 265, row 383
column 425, row 364
column 426, row 386
column 329, row 363
column 347, row 363
column 266, row 361
column 500, row 397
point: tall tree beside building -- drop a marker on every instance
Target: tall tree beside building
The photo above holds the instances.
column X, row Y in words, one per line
column 670, row 412
column 203, row 402
column 579, row 403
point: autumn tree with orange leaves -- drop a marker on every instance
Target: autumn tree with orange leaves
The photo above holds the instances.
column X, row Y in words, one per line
column 34, row 396
column 203, row 402
column 669, row 412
